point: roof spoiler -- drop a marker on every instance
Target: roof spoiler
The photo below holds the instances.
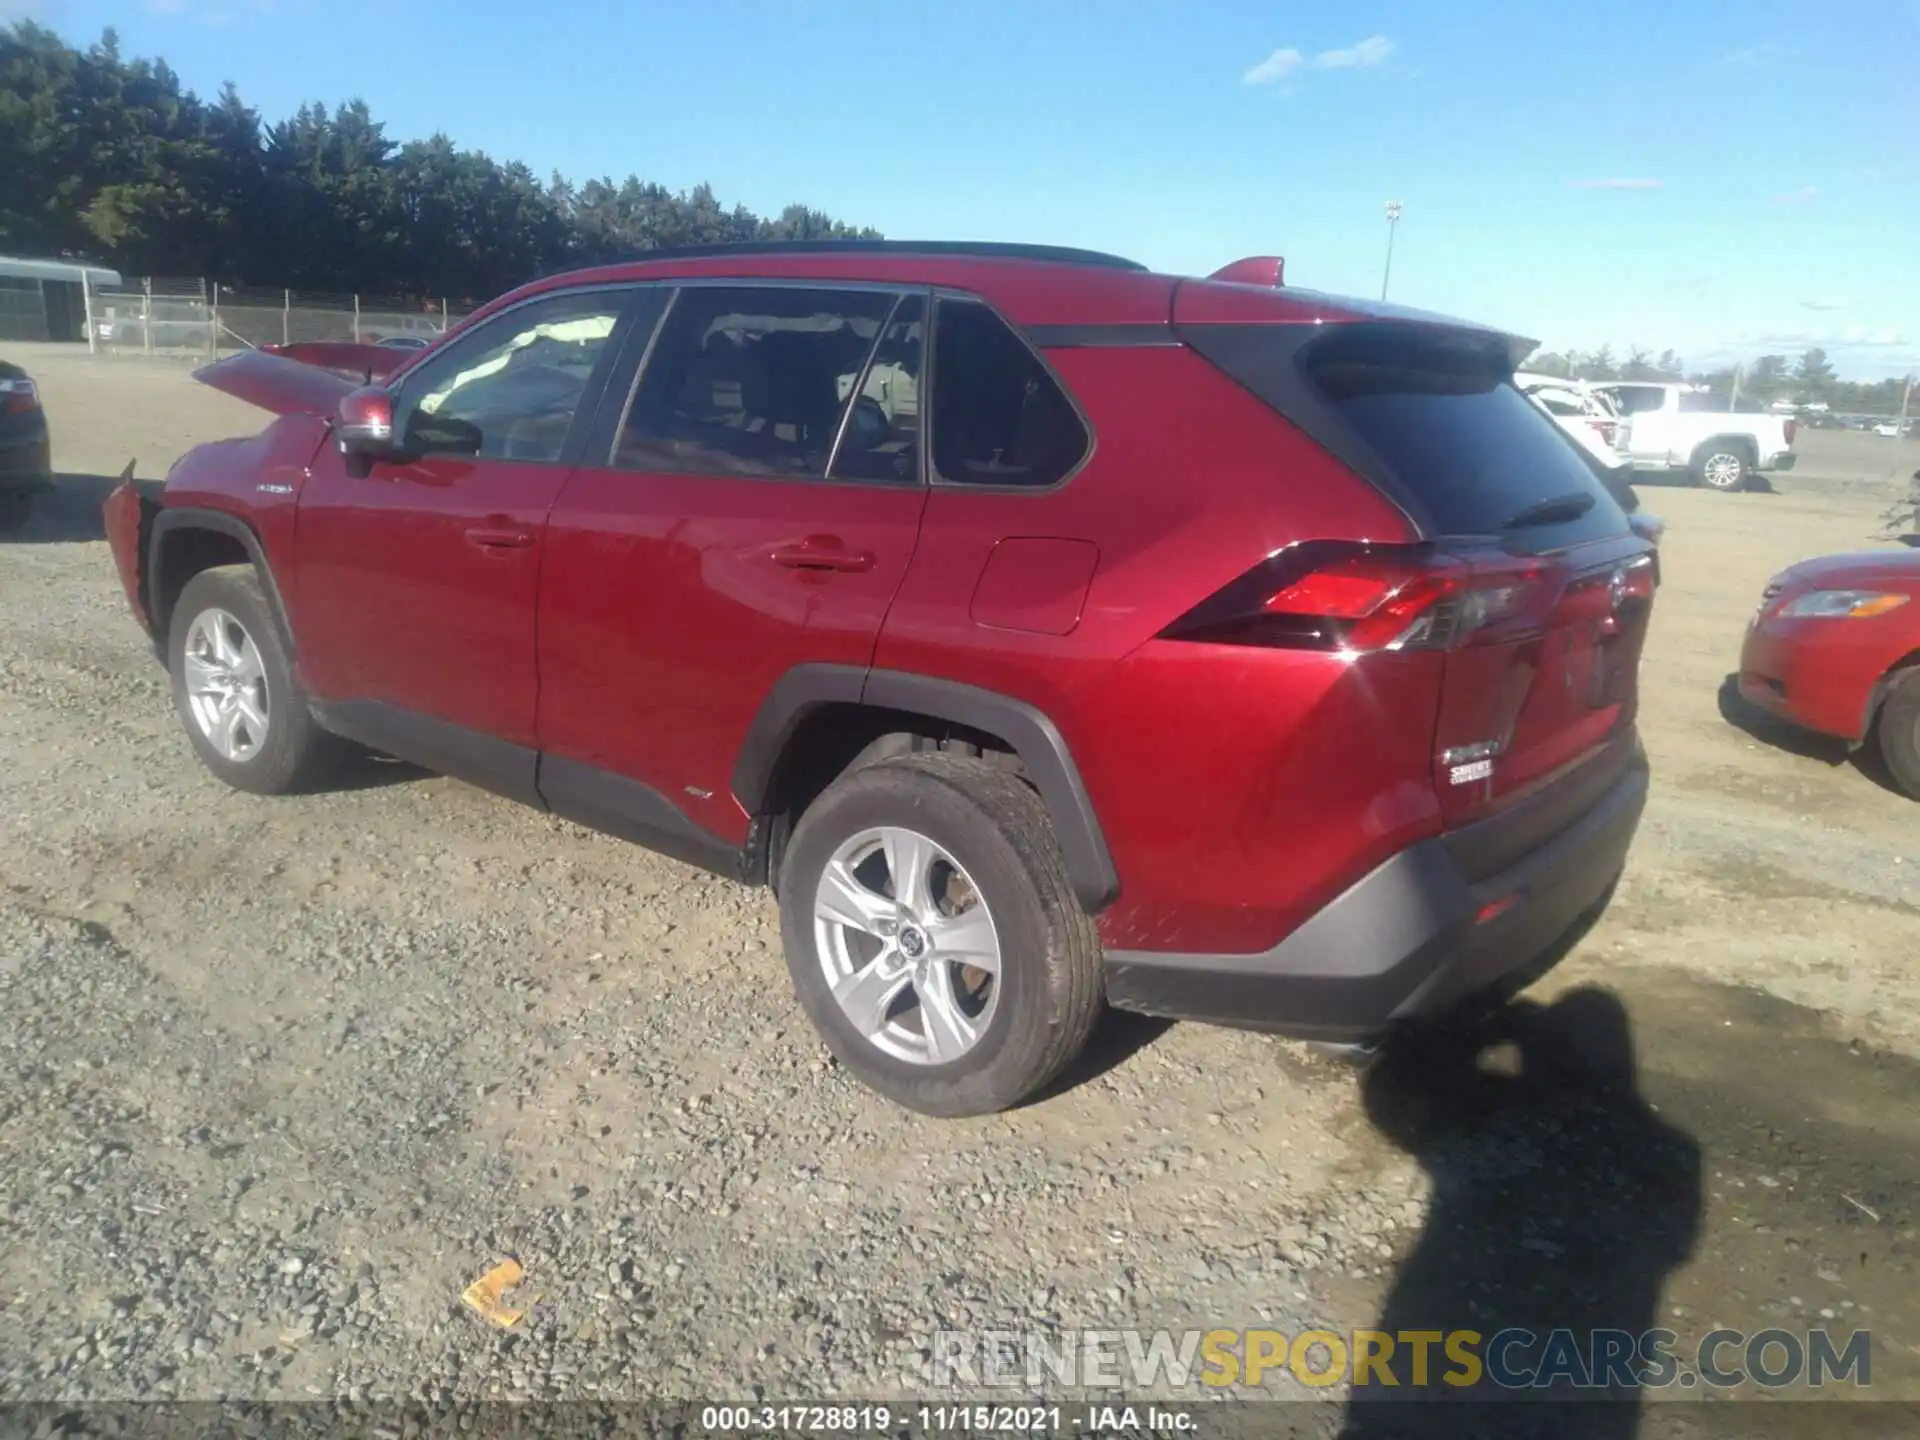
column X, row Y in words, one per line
column 1267, row 270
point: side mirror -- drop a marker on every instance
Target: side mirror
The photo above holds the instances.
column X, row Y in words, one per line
column 363, row 427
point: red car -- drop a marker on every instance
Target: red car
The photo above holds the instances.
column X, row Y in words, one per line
column 1047, row 631
column 1835, row 648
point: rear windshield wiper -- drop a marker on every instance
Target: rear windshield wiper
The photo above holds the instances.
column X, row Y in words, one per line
column 1570, row 506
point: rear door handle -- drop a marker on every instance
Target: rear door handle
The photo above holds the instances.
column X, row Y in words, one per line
column 822, row 553
column 500, row 537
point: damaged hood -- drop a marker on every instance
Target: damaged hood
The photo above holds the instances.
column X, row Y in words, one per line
column 300, row 379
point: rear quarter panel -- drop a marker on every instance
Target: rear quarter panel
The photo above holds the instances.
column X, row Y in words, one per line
column 1235, row 787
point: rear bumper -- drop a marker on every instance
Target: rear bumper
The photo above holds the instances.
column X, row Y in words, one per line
column 1413, row 937
column 26, row 465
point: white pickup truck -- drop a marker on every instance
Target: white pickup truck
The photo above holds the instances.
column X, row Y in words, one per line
column 1687, row 427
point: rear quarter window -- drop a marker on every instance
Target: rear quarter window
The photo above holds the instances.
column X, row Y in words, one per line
column 1453, row 432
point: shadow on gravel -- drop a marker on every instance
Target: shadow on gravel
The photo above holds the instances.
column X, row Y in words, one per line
column 359, row 769
column 1120, row 1035
column 68, row 514
column 1757, row 724
column 1757, row 483
column 1561, row 1202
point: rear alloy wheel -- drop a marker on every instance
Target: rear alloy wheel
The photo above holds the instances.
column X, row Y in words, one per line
column 933, row 937
column 1896, row 729
column 234, row 689
column 1721, row 469
column 907, row 946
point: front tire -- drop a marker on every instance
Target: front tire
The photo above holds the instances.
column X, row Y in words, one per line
column 233, row 686
column 933, row 936
column 1896, row 730
column 1721, row 467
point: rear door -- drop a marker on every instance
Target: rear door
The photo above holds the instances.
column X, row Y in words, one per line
column 751, row 504
column 1543, row 672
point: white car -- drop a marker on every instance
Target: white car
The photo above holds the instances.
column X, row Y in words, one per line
column 1890, row 430
column 1590, row 423
column 1687, row 428
column 1579, row 411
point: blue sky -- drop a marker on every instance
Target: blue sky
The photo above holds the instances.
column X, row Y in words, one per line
column 1720, row 178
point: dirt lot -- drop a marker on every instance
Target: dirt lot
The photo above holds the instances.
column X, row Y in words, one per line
column 282, row 1077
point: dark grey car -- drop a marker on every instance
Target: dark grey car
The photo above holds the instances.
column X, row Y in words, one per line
column 26, row 455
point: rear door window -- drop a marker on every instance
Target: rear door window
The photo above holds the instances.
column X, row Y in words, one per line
column 881, row 437
column 755, row 381
column 1454, row 432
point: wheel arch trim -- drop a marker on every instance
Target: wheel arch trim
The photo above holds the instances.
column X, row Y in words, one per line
column 191, row 517
column 1883, row 685
column 1732, row 441
column 1035, row 739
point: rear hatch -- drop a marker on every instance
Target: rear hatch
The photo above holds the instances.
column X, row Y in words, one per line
column 1527, row 573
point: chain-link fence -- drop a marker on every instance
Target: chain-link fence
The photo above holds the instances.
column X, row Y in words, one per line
column 23, row 310
column 194, row 318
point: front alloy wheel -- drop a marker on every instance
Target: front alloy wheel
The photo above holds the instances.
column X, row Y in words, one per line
column 234, row 687
column 226, row 685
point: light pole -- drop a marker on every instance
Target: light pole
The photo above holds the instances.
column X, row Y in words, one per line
column 1393, row 219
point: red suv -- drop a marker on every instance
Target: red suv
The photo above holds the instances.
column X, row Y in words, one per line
column 1046, row 631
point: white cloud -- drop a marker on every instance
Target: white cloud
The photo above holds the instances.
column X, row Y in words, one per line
column 1839, row 302
column 1370, row 51
column 1277, row 66
column 1618, row 184
column 1802, row 196
column 12, row 10
column 1290, row 61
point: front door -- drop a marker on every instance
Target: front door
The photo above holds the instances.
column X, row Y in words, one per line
column 756, row 510
column 417, row 580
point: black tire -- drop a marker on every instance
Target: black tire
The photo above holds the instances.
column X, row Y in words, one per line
column 996, row 828
column 1721, row 467
column 15, row 506
column 1896, row 729
column 295, row 751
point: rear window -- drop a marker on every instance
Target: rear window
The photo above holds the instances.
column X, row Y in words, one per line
column 1452, row 431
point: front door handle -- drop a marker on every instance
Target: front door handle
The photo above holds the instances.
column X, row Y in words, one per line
column 500, row 537
column 822, row 552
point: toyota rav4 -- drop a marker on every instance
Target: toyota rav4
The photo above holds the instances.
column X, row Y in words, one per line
column 1047, row 632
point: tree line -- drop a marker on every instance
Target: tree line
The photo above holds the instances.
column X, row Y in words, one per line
column 115, row 160
column 1808, row 379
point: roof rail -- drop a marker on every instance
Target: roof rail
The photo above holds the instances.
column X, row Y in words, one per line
column 966, row 249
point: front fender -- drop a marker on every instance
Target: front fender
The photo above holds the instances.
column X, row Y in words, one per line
column 161, row 558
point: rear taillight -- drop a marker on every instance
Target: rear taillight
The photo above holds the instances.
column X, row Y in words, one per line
column 19, row 396
column 1337, row 595
column 1793, row 429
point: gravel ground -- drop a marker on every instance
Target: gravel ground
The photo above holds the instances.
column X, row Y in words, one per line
column 282, row 1077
